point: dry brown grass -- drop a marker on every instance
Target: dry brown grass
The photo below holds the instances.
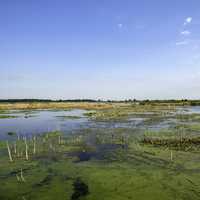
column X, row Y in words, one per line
column 86, row 105
column 57, row 105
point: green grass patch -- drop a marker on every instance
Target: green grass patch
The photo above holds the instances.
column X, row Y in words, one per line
column 7, row 116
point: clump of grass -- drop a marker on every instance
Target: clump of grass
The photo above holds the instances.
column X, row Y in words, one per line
column 7, row 116
column 11, row 133
column 90, row 114
column 2, row 112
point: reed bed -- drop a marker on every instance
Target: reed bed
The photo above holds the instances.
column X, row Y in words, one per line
column 177, row 143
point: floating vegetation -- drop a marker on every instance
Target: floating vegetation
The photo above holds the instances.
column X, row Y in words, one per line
column 29, row 116
column 70, row 117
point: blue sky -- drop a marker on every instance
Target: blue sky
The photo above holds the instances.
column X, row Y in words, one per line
column 108, row 49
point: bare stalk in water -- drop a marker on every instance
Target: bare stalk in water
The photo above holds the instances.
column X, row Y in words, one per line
column 15, row 147
column 26, row 145
column 18, row 179
column 34, row 145
column 22, row 177
column 171, row 156
column 59, row 139
column 9, row 152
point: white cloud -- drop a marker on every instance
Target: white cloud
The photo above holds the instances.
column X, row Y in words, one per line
column 188, row 20
column 186, row 32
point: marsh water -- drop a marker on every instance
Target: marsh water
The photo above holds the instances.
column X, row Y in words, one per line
column 40, row 121
column 83, row 156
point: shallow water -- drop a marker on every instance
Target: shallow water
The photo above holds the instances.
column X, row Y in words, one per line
column 68, row 121
column 41, row 121
column 189, row 110
column 166, row 124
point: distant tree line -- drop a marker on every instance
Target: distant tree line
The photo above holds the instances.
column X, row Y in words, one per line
column 141, row 102
column 44, row 100
column 171, row 101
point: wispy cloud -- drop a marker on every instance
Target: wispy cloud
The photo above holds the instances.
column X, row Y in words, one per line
column 187, row 21
column 185, row 33
column 184, row 39
column 184, row 42
column 194, row 43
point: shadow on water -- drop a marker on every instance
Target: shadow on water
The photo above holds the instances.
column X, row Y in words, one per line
column 100, row 152
column 80, row 189
column 45, row 181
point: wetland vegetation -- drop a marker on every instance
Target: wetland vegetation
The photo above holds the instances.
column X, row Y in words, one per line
column 106, row 150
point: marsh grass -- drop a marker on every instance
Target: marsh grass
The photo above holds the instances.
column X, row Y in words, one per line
column 189, row 127
column 124, row 112
column 188, row 117
column 3, row 112
column 185, row 144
